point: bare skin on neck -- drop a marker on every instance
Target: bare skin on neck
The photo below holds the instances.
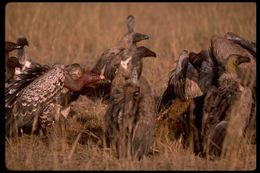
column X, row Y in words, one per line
column 85, row 79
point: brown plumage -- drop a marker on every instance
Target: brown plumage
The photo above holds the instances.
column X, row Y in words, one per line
column 130, row 120
column 249, row 45
column 231, row 43
column 131, row 63
column 110, row 59
column 222, row 48
column 130, row 116
column 190, row 79
column 182, row 101
column 220, row 108
column 22, row 41
column 11, row 63
column 10, row 46
column 27, row 102
column 176, row 119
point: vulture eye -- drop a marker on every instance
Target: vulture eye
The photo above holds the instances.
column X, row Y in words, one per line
column 136, row 94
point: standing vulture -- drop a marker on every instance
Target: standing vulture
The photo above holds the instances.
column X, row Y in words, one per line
column 130, row 115
column 110, row 61
column 226, row 109
column 231, row 43
column 32, row 103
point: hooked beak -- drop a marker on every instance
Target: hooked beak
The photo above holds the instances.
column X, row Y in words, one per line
column 242, row 59
column 139, row 37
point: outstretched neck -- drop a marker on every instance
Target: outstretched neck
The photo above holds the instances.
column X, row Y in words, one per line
column 231, row 68
column 85, row 79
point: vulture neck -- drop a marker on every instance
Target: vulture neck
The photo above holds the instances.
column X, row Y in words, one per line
column 21, row 56
column 230, row 80
column 85, row 79
column 231, row 67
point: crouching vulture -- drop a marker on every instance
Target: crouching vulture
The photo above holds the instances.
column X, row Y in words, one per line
column 182, row 101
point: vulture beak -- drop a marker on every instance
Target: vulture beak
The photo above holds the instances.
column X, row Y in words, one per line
column 139, row 37
column 242, row 59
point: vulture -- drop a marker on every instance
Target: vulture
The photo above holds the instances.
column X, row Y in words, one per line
column 11, row 63
column 31, row 98
column 222, row 48
column 130, row 115
column 23, row 59
column 191, row 78
column 110, row 60
column 226, row 109
column 182, row 101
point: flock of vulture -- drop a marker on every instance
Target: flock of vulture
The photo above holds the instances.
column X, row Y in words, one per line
column 210, row 94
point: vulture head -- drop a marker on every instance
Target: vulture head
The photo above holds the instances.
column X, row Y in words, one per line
column 131, row 38
column 76, row 77
column 10, row 46
column 10, row 62
column 75, row 70
column 234, row 61
column 132, row 66
column 22, row 41
column 230, row 78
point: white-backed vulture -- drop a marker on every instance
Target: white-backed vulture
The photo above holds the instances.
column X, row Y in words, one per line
column 226, row 109
column 110, row 59
column 182, row 101
column 130, row 116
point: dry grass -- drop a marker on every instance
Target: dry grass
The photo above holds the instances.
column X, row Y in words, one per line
column 80, row 32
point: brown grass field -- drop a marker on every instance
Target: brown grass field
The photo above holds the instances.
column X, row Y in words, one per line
column 79, row 33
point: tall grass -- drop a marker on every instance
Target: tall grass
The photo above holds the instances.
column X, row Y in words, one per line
column 80, row 32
